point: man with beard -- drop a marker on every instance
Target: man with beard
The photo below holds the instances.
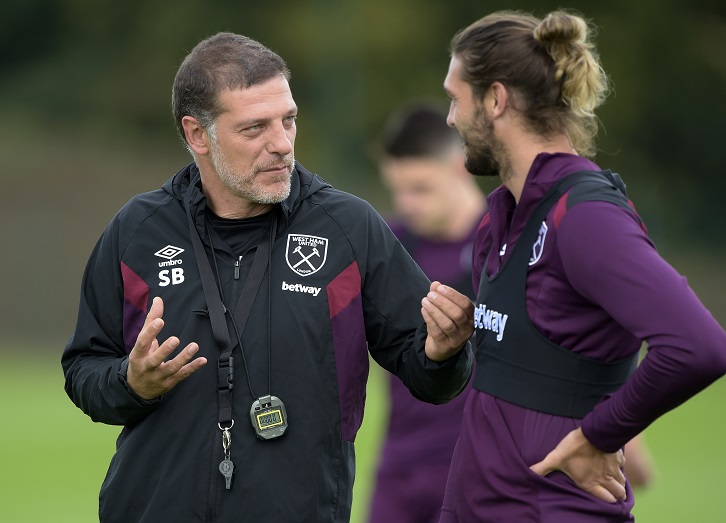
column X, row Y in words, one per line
column 246, row 260
column 569, row 287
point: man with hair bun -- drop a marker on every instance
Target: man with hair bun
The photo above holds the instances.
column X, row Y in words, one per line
column 568, row 286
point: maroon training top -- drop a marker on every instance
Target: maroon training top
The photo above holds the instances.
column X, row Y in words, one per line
column 599, row 289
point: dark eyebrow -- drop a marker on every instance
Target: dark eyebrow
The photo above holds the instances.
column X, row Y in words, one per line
column 256, row 121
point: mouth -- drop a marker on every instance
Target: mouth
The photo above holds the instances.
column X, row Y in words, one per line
column 277, row 169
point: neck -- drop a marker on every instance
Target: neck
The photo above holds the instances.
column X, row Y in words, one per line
column 521, row 155
column 237, row 208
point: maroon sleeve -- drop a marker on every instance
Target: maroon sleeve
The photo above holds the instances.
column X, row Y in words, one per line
column 609, row 260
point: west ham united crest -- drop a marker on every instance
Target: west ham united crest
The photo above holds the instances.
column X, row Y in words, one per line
column 306, row 254
column 538, row 246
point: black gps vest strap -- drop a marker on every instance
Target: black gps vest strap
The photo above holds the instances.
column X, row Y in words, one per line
column 217, row 311
column 524, row 367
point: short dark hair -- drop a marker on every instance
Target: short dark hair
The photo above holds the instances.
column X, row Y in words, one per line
column 417, row 129
column 222, row 61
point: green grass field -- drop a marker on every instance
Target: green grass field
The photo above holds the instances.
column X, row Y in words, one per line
column 53, row 458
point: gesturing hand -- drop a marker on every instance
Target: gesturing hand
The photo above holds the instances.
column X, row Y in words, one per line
column 592, row 470
column 149, row 374
column 449, row 317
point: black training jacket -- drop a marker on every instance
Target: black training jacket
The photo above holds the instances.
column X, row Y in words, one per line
column 341, row 287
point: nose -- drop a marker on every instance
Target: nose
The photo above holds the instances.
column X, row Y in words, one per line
column 281, row 140
column 450, row 121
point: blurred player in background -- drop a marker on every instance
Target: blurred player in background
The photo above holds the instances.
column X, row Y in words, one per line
column 438, row 208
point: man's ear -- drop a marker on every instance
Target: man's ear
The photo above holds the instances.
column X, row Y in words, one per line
column 196, row 136
column 497, row 99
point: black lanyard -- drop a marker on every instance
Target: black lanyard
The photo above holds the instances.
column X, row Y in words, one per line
column 217, row 312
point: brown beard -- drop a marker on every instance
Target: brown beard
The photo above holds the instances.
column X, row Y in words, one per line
column 483, row 150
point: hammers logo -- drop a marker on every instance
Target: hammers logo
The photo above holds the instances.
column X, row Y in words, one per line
column 538, row 246
column 306, row 254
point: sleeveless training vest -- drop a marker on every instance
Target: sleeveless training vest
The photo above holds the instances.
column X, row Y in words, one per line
column 515, row 362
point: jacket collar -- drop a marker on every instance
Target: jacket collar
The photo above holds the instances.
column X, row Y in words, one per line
column 186, row 186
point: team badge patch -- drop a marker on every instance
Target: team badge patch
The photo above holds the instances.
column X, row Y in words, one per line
column 538, row 246
column 306, row 254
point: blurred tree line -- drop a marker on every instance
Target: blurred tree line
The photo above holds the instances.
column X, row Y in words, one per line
column 85, row 88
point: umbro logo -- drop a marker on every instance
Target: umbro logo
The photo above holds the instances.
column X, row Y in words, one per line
column 173, row 276
column 169, row 252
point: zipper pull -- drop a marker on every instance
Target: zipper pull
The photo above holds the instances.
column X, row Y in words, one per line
column 236, row 268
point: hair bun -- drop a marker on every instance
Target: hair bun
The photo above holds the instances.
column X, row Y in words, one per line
column 561, row 28
column 565, row 37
